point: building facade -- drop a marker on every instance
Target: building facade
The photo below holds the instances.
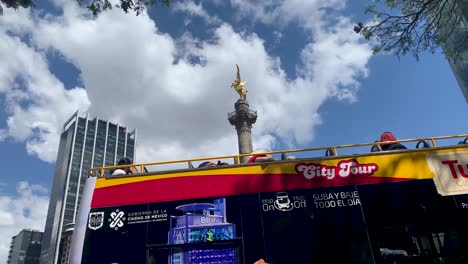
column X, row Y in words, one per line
column 458, row 41
column 84, row 143
column 25, row 247
column 65, row 243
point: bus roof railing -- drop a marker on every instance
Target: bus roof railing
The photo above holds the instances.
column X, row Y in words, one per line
column 237, row 157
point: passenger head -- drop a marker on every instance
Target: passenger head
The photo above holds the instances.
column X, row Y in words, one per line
column 260, row 151
column 124, row 161
column 387, row 136
column 206, row 164
column 260, row 157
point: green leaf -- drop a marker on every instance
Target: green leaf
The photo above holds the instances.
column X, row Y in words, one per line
column 370, row 8
column 367, row 33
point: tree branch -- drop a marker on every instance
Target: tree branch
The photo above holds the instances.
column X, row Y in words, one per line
column 421, row 25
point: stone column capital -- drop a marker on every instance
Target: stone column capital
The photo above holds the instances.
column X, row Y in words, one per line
column 242, row 118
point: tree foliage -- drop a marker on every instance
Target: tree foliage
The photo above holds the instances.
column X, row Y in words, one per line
column 413, row 26
column 137, row 6
column 15, row 4
column 94, row 6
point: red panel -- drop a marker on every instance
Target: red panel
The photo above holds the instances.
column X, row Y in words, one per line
column 182, row 188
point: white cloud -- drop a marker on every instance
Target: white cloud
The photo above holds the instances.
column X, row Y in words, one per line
column 195, row 9
column 26, row 210
column 336, row 59
column 3, row 134
column 176, row 91
column 18, row 21
column 310, row 15
column 36, row 101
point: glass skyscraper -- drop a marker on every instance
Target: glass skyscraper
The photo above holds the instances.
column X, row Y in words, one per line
column 84, row 143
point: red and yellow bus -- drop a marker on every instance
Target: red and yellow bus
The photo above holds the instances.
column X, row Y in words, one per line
column 402, row 206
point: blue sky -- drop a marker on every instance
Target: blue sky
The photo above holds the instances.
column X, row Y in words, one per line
column 167, row 73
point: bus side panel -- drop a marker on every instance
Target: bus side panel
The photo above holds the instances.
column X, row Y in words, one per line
column 82, row 221
column 400, row 222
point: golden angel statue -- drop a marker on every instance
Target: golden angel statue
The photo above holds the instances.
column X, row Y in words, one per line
column 238, row 85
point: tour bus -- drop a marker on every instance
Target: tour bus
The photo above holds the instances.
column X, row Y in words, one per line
column 339, row 204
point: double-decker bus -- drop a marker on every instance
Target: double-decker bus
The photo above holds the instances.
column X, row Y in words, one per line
column 328, row 205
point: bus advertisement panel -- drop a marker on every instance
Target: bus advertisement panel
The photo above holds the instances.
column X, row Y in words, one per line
column 381, row 208
column 378, row 223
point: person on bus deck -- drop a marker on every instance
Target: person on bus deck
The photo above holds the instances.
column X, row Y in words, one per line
column 388, row 136
column 206, row 164
column 261, row 157
column 126, row 170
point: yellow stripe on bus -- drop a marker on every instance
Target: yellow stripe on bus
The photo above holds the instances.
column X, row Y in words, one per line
column 110, row 181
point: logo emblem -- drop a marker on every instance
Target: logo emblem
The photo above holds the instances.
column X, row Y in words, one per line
column 96, row 220
column 116, row 219
column 282, row 202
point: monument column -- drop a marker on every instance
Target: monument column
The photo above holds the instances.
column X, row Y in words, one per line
column 242, row 119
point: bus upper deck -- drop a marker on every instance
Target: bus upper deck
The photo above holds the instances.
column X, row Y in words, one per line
column 330, row 166
column 360, row 149
column 376, row 207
